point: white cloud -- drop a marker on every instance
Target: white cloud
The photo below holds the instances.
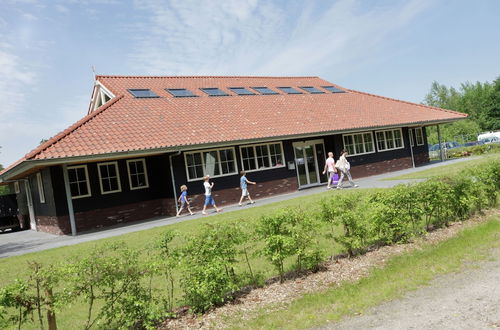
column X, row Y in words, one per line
column 61, row 8
column 260, row 37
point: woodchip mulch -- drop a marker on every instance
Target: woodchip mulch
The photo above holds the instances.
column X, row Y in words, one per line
column 277, row 296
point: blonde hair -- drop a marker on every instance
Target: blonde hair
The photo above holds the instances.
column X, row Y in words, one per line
column 206, row 177
column 184, row 187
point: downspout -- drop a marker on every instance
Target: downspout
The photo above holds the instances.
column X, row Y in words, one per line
column 173, row 179
column 440, row 144
column 411, row 148
column 69, row 200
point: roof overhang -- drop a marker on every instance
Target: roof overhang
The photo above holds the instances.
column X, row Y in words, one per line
column 30, row 166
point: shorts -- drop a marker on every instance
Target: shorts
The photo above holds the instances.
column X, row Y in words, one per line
column 244, row 192
column 209, row 200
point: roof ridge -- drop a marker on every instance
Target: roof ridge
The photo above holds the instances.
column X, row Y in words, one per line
column 173, row 77
column 407, row 102
column 59, row 136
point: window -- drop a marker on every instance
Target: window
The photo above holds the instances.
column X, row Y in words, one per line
column 215, row 162
column 262, row 156
column 241, row 91
column 290, row 90
column 79, row 181
column 137, row 174
column 214, row 92
column 265, row 90
column 142, row 93
column 333, row 89
column 419, row 136
column 109, row 177
column 389, row 139
column 410, row 133
column 17, row 190
column 359, row 143
column 180, row 92
column 39, row 182
column 312, row 90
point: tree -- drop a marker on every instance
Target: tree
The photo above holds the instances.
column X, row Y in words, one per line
column 481, row 101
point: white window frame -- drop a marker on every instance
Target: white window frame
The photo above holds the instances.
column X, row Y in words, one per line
column 268, row 155
column 39, row 182
column 421, row 134
column 145, row 173
column 87, row 181
column 17, row 190
column 362, row 136
column 203, row 163
column 117, row 177
column 393, row 139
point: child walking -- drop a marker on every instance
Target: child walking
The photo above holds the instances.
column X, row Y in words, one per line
column 209, row 200
column 345, row 169
column 244, row 188
column 330, row 167
column 184, row 200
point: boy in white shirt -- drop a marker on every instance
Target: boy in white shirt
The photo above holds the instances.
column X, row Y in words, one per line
column 208, row 194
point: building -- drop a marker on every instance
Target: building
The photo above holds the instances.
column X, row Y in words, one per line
column 145, row 136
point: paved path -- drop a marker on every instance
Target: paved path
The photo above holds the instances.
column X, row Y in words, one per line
column 466, row 300
column 22, row 242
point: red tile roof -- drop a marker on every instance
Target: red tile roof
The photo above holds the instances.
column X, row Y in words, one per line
column 130, row 124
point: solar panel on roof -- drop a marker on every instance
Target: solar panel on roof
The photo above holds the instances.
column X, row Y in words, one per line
column 312, row 90
column 180, row 92
column 290, row 90
column 214, row 92
column 265, row 90
column 333, row 89
column 142, row 93
column 241, row 91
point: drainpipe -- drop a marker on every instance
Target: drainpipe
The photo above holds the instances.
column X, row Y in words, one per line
column 173, row 179
column 440, row 144
column 410, row 136
column 69, row 200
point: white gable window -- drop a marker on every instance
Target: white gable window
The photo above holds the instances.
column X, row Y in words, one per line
column 359, row 143
column 137, row 174
column 39, row 182
column 389, row 139
column 214, row 162
column 79, row 181
column 419, row 136
column 262, row 156
column 109, row 177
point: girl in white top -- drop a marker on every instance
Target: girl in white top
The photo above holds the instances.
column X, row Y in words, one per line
column 345, row 169
column 330, row 166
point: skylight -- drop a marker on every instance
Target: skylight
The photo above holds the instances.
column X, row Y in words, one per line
column 312, row 90
column 333, row 89
column 142, row 93
column 241, row 91
column 214, row 92
column 180, row 92
column 265, row 90
column 290, row 90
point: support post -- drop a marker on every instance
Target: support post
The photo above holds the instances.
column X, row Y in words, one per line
column 69, row 200
column 173, row 180
column 410, row 136
column 440, row 144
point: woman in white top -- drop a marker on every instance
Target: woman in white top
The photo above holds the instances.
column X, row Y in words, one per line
column 330, row 167
column 345, row 169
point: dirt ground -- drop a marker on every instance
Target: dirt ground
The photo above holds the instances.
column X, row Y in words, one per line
column 466, row 300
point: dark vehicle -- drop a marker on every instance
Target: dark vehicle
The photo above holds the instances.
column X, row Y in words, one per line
column 8, row 213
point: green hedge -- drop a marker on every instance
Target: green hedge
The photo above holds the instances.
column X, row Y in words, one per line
column 115, row 283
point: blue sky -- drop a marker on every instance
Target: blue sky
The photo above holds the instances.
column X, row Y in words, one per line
column 389, row 48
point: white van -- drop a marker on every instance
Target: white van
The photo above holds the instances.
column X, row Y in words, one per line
column 489, row 137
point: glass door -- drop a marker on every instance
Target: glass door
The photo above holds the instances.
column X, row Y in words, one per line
column 306, row 162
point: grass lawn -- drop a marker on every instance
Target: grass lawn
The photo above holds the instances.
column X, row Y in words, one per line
column 17, row 266
column 401, row 274
column 449, row 170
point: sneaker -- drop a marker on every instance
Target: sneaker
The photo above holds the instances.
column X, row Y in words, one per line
column 339, row 188
column 356, row 186
column 252, row 202
column 204, row 213
column 328, row 187
column 239, row 204
column 220, row 210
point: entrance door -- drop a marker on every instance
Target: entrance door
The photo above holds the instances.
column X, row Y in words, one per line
column 29, row 200
column 309, row 156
